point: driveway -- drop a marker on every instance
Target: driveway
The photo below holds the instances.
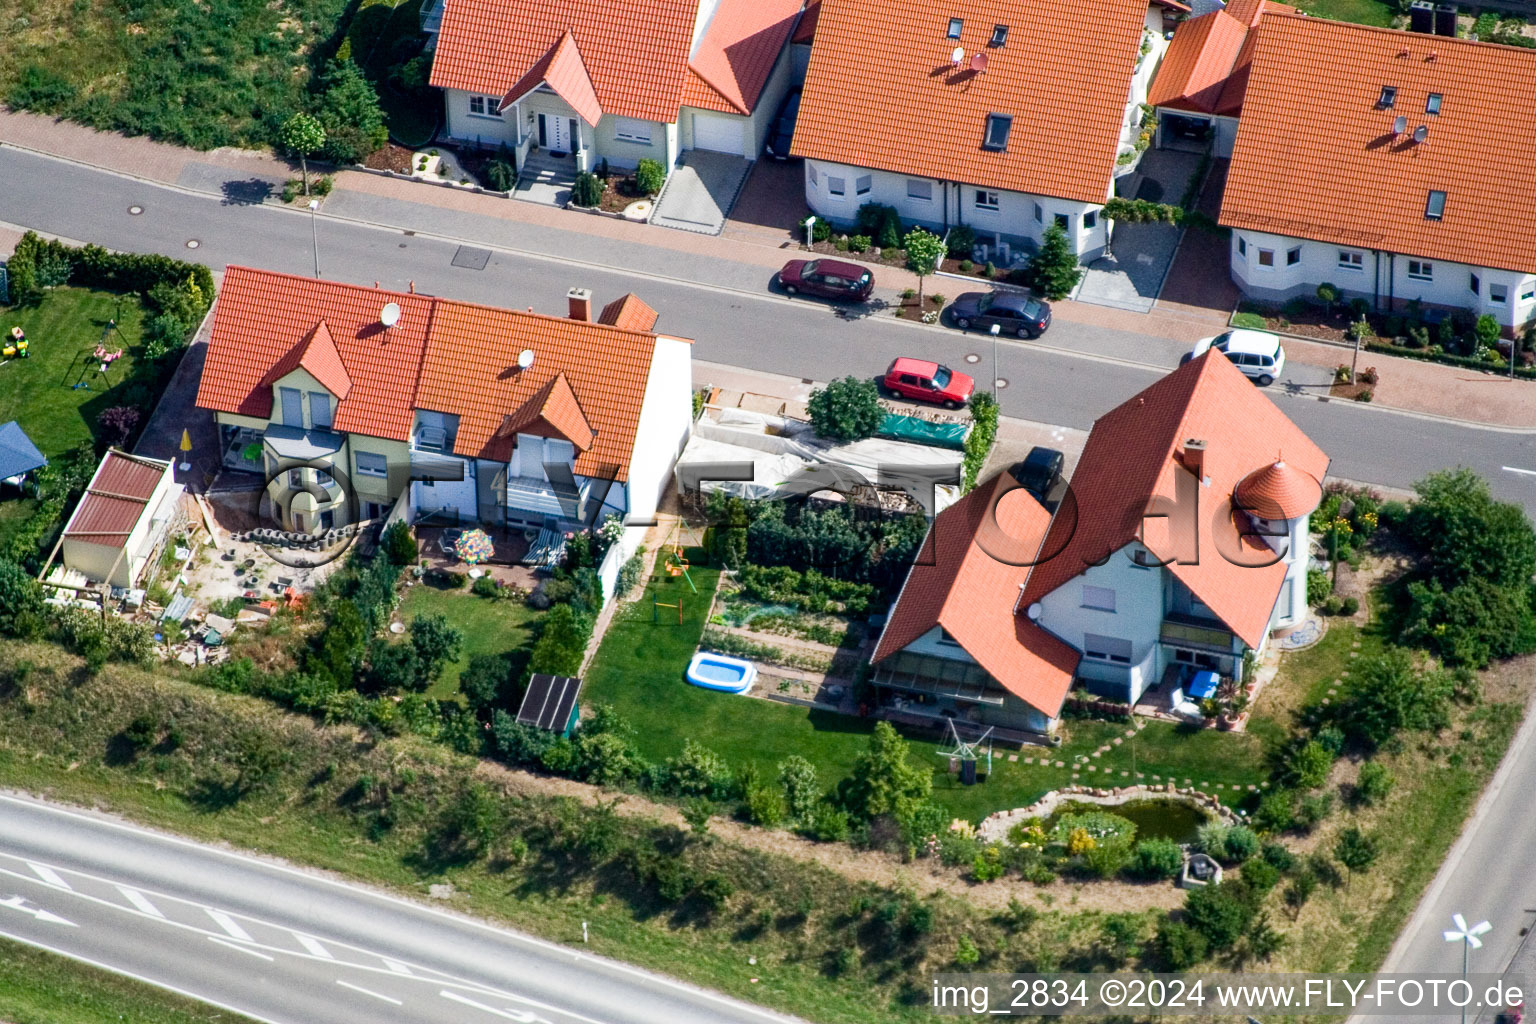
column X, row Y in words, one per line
column 1132, row 274
column 700, row 191
column 771, row 204
column 1200, row 284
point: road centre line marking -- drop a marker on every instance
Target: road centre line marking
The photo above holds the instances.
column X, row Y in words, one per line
column 244, row 949
column 140, row 901
column 397, row 968
column 313, row 945
column 48, row 875
column 1522, row 472
column 517, row 1015
column 229, row 924
column 366, row 992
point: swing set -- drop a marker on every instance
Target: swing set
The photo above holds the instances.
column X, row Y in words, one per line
column 674, row 563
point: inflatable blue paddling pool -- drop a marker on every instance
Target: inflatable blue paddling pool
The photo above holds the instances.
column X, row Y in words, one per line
column 720, row 672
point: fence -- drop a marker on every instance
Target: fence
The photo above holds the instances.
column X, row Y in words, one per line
column 619, row 553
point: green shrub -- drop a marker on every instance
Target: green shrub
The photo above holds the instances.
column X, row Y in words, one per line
column 841, row 243
column 502, row 176
column 1240, row 844
column 1319, row 586
column 1260, row 875
column 1349, row 606
column 1278, row 855
column 765, row 804
column 1211, row 839
column 1392, row 695
column 821, row 229
column 1180, row 946
column 960, row 241
column 848, row 409
column 859, row 243
column 978, row 444
column 587, row 190
column 1157, row 858
column 22, row 612
column 349, row 111
column 1313, row 810
column 881, row 223
column 650, row 175
column 1374, row 783
column 1276, row 811
column 966, row 266
column 1249, row 321
column 399, row 545
column 1310, row 765
column 1219, row 913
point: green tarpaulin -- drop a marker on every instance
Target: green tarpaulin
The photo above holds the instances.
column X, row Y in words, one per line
column 921, row 431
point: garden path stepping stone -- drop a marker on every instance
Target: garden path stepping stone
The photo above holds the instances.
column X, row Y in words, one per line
column 1060, row 765
column 1126, row 775
column 1029, row 760
column 1013, row 757
column 1093, row 767
column 1325, row 701
column 1129, row 733
column 1119, row 740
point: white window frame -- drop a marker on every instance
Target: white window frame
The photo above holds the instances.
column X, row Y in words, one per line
column 1100, row 599
column 1106, row 648
column 1039, row 214
column 296, row 479
column 1260, row 261
column 810, row 169
column 488, row 105
column 837, row 187
column 1528, row 292
column 1421, row 270
column 1293, row 256
column 862, row 184
column 1090, row 220
column 313, row 400
column 1349, row 259
column 632, row 129
column 983, row 194
column 1498, row 294
column 1242, row 247
column 371, row 468
column 924, row 193
column 1474, row 283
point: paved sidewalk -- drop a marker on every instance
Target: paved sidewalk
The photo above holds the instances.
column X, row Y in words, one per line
column 735, row 261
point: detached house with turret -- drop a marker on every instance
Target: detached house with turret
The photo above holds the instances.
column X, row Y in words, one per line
column 1182, row 543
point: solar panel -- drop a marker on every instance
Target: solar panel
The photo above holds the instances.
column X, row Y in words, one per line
column 549, row 702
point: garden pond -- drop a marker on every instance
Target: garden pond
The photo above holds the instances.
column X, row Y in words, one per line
column 1153, row 818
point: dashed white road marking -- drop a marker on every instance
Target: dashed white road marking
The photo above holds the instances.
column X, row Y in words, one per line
column 397, row 968
column 313, row 945
column 48, row 875
column 140, row 901
column 229, row 924
column 522, row 1016
column 244, row 949
column 1522, row 472
column 367, row 992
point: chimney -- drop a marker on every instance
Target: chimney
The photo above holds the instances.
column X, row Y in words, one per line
column 580, row 300
column 1194, row 457
column 1445, row 20
column 1421, row 17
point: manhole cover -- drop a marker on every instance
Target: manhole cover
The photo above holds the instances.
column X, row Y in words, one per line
column 134, row 211
column 193, row 243
column 972, row 357
column 470, row 258
column 1000, row 383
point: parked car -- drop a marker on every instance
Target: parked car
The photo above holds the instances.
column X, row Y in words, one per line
column 1014, row 312
column 830, row 279
column 1257, row 353
column 926, row 381
column 783, row 132
column 1039, row 472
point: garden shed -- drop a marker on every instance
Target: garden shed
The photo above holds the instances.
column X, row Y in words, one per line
column 18, row 455
column 550, row 703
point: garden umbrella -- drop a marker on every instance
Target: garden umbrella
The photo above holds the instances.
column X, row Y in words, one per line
column 473, row 547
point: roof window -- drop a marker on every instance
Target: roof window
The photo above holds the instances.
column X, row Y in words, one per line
column 1434, row 209
column 1388, row 97
column 999, row 35
column 998, row 127
column 955, row 25
column 1432, row 105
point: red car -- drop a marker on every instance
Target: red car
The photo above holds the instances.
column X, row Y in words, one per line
column 830, row 279
column 923, row 381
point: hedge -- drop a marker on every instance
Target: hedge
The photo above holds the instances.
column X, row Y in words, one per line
column 1469, row 362
column 978, row 443
column 92, row 266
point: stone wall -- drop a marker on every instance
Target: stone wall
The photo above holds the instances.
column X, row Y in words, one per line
column 995, row 827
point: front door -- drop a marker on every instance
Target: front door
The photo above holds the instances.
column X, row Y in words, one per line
column 555, row 133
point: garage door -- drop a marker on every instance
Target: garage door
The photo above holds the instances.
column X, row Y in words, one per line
column 721, row 134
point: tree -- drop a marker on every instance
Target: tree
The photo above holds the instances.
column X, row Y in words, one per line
column 398, row 545
column 1328, row 294
column 801, row 791
column 562, row 643
column 1355, row 849
column 341, row 645
column 486, row 683
column 1487, row 330
column 117, row 423
column 885, row 781
column 436, row 643
column 21, row 601
column 1374, row 783
column 302, row 135
column 1180, row 946
column 1264, row 941
column 1310, row 765
column 1055, row 268
column 1299, row 891
column 697, row 812
column 349, row 113
column 1392, row 695
column 1218, row 912
column 392, row 666
column 1467, row 535
column 471, row 823
column 847, row 409
column 924, row 252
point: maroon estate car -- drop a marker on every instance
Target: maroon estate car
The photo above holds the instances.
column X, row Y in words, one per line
column 928, row 382
column 829, row 279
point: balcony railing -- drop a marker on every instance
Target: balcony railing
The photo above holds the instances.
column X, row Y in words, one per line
column 531, row 494
column 1188, row 631
column 430, row 439
column 918, row 673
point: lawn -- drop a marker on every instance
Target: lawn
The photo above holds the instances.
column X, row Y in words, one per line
column 639, row 670
column 201, row 73
column 38, row 987
column 1307, row 676
column 1362, row 12
column 490, row 625
column 384, row 35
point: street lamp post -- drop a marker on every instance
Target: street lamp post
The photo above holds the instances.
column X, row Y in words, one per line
column 314, row 232
column 1468, row 937
column 997, row 329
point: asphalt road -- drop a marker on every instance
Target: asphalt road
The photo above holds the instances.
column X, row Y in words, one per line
column 1069, row 377
column 294, row 947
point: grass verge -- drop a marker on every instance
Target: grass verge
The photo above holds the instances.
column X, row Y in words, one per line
column 38, row 987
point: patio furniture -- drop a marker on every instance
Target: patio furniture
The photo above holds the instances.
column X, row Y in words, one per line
column 447, row 540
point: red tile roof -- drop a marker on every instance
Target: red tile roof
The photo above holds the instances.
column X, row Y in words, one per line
column 1279, row 491
column 635, row 51
column 1198, row 62
column 630, row 313
column 261, row 317
column 1316, row 158
column 317, row 354
column 553, row 410
column 563, row 70
column 957, row 584
column 115, row 499
column 737, row 54
column 881, row 91
column 1132, row 464
column 805, row 32
column 442, row 355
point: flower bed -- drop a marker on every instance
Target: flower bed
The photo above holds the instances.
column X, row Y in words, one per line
column 879, row 257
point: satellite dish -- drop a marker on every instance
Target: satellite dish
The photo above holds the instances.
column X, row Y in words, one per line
column 525, row 359
column 1033, row 611
column 958, row 56
column 1399, row 124
column 390, row 314
column 979, row 63
column 1420, row 133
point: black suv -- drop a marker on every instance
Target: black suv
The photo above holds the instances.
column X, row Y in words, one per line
column 1039, row 472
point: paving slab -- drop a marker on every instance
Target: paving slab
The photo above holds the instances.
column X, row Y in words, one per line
column 700, row 191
